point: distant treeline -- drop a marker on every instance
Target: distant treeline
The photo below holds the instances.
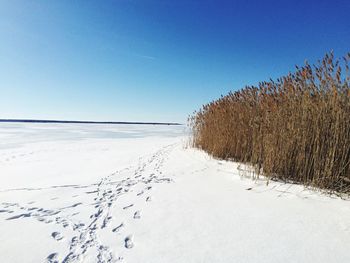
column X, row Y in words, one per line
column 296, row 128
column 89, row 122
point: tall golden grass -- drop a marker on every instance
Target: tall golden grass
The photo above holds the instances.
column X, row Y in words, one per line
column 295, row 129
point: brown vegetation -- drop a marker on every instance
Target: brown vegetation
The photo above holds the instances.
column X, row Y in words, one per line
column 296, row 128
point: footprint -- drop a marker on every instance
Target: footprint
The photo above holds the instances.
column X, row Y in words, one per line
column 128, row 242
column 137, row 215
column 104, row 255
column 106, row 221
column 19, row 216
column 97, row 214
column 148, row 199
column 57, row 236
column 52, row 258
column 126, row 207
column 78, row 226
column 117, row 229
column 74, row 242
column 91, row 192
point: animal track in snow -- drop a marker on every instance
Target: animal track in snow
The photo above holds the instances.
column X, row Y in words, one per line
column 128, row 242
column 52, row 258
column 57, row 236
column 106, row 221
column 128, row 206
column 117, row 229
column 137, row 215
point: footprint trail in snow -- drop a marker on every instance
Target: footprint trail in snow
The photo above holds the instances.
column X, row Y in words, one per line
column 84, row 241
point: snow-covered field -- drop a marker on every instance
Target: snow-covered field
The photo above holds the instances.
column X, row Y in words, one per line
column 129, row 193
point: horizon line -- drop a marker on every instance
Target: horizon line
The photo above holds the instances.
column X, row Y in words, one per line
column 88, row 122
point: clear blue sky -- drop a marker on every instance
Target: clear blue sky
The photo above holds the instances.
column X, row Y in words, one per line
column 153, row 60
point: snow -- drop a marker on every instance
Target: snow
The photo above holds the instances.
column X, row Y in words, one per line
column 136, row 193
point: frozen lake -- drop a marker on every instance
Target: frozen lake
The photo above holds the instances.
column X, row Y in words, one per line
column 137, row 193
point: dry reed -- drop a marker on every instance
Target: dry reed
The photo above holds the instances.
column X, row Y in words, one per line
column 296, row 128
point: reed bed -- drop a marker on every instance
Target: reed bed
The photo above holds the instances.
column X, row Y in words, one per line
column 295, row 129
